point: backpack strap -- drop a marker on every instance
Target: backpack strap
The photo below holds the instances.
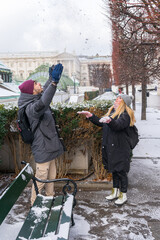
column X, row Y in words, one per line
column 40, row 119
column 57, row 129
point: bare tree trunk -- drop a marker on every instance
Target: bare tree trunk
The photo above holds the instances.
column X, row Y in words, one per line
column 100, row 90
column 127, row 88
column 134, row 95
column 143, row 112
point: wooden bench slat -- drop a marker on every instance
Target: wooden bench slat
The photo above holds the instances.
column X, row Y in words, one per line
column 55, row 215
column 36, row 219
column 11, row 194
column 65, row 221
column 40, row 226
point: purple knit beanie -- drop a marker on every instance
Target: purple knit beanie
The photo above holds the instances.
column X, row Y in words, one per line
column 27, row 86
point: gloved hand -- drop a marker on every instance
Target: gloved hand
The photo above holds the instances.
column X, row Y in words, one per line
column 56, row 72
column 50, row 70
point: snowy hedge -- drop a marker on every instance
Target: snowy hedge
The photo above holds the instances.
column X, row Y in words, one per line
column 74, row 129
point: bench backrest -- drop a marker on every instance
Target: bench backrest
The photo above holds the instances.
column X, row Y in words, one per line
column 11, row 194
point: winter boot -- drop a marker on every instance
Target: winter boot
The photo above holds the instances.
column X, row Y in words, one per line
column 115, row 194
column 122, row 199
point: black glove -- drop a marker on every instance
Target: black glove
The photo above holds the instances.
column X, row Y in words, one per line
column 56, row 72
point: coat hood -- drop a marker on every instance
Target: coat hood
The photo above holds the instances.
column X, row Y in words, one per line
column 26, row 98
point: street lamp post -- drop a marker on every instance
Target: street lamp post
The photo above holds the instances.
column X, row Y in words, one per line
column 74, row 78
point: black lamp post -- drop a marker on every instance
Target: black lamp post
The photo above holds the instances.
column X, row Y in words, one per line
column 74, row 76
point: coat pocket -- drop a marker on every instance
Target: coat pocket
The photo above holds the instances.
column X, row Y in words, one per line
column 52, row 144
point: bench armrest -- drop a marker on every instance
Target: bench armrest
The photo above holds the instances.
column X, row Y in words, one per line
column 67, row 187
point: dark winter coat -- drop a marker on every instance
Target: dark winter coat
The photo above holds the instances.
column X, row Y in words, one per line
column 46, row 145
column 116, row 151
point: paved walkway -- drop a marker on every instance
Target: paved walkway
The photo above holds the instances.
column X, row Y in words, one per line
column 149, row 130
column 138, row 219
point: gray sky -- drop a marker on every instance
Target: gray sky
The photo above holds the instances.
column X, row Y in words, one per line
column 50, row 25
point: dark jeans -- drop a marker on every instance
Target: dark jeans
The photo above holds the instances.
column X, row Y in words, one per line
column 120, row 180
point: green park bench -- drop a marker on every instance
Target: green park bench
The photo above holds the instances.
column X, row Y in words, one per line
column 49, row 216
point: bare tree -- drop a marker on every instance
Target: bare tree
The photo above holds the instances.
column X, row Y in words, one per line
column 135, row 43
column 100, row 76
column 145, row 12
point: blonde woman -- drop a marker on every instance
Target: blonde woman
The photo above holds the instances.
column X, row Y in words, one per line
column 116, row 150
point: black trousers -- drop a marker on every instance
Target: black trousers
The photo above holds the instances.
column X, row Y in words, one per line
column 120, row 180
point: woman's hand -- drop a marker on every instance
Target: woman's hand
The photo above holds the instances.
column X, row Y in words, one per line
column 105, row 120
column 85, row 113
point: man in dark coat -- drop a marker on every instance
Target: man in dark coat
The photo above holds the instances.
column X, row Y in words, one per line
column 116, row 151
column 46, row 145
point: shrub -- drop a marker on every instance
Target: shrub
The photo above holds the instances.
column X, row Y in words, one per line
column 74, row 129
column 7, row 115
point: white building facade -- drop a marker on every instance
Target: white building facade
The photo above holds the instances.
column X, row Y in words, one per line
column 24, row 63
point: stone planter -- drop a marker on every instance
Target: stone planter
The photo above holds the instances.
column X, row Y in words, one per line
column 79, row 159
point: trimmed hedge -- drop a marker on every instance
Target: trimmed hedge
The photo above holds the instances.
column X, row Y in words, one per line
column 74, row 129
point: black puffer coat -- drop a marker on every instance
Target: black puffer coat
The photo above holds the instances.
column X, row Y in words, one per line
column 116, row 151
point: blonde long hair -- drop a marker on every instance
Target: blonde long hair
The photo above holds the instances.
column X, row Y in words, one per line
column 121, row 108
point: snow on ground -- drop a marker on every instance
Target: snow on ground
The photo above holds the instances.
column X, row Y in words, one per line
column 106, row 96
column 7, row 93
column 149, row 131
column 138, row 219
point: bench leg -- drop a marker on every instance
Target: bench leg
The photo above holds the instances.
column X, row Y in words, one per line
column 74, row 204
column 72, row 220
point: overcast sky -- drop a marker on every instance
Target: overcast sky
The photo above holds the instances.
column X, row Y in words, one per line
column 50, row 25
